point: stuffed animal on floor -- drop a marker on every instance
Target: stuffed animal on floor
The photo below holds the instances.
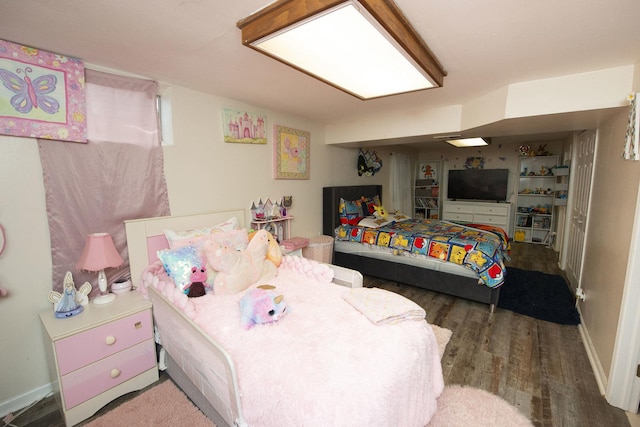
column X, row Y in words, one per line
column 198, row 280
column 260, row 306
column 237, row 270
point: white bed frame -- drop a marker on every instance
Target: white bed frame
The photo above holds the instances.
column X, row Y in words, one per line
column 210, row 382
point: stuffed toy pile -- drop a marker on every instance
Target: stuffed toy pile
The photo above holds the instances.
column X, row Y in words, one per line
column 237, row 270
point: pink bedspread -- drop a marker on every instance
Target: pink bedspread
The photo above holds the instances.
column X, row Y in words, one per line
column 324, row 363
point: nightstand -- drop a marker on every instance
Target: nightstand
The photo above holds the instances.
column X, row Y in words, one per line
column 101, row 354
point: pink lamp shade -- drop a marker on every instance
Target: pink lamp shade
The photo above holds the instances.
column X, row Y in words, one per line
column 99, row 253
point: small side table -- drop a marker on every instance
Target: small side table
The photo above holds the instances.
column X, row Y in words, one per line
column 101, row 354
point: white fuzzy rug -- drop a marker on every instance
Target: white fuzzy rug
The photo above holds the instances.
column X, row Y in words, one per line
column 472, row 407
column 460, row 406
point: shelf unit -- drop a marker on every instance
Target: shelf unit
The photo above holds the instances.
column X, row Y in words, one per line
column 280, row 227
column 538, row 192
column 426, row 191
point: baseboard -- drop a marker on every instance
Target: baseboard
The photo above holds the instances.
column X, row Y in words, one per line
column 16, row 403
column 596, row 366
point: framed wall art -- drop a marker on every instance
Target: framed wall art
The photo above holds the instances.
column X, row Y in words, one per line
column 292, row 153
column 244, row 127
column 42, row 94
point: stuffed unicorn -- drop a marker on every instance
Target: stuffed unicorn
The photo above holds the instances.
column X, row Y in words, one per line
column 261, row 305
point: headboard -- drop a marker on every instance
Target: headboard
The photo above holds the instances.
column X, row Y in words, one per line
column 331, row 201
column 146, row 236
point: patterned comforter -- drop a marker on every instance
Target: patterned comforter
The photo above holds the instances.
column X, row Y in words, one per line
column 479, row 250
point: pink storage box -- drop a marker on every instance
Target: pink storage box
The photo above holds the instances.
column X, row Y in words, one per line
column 295, row 243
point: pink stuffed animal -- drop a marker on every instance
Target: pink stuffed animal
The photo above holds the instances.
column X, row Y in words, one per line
column 198, row 280
column 260, row 306
column 237, row 270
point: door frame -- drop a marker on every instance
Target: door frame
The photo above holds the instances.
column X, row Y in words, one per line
column 623, row 387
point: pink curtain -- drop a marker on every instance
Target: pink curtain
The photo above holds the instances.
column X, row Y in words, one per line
column 118, row 175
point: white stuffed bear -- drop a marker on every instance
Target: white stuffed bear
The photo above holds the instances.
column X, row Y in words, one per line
column 237, row 270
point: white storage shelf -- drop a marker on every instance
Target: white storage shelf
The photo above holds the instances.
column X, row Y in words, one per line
column 538, row 192
column 426, row 191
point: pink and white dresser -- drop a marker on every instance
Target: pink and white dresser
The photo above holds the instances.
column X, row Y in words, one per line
column 102, row 353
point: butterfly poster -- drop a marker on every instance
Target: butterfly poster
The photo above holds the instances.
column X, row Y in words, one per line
column 42, row 94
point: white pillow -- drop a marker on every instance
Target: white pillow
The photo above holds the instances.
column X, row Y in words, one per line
column 376, row 222
column 178, row 239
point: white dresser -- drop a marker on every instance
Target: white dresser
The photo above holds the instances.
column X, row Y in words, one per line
column 489, row 213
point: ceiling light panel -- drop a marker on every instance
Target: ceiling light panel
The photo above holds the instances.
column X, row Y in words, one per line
column 343, row 44
column 468, row 142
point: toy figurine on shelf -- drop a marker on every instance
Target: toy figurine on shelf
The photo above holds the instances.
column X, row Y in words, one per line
column 67, row 303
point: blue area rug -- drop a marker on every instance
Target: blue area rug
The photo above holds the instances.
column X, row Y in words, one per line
column 539, row 295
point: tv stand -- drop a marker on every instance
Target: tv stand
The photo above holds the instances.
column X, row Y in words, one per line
column 468, row 211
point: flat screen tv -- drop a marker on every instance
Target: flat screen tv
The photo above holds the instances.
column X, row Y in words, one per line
column 478, row 184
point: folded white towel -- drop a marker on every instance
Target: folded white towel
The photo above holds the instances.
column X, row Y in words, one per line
column 383, row 307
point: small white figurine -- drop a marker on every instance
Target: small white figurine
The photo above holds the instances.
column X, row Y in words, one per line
column 67, row 303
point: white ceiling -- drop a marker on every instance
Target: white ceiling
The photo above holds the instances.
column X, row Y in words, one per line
column 483, row 46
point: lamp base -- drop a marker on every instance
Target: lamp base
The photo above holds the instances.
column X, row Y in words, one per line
column 104, row 299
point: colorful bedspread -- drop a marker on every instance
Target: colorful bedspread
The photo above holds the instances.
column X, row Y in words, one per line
column 481, row 251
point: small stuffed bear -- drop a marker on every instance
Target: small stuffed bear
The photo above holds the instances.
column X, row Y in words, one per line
column 260, row 306
column 198, row 279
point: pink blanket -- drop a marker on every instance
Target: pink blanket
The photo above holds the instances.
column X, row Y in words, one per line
column 324, row 363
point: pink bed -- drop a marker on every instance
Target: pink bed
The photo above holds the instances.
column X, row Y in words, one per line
column 324, row 363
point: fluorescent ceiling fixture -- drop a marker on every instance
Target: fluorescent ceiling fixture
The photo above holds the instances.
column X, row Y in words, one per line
column 366, row 48
column 468, row 142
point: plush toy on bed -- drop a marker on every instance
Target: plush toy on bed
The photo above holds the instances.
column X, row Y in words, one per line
column 274, row 253
column 260, row 306
column 380, row 212
column 198, row 284
column 237, row 270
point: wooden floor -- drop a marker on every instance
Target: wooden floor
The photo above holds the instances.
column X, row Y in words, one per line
column 540, row 367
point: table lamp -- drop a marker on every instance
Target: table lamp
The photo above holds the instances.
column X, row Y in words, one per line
column 100, row 253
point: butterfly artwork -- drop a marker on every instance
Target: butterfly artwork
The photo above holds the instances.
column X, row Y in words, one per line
column 30, row 94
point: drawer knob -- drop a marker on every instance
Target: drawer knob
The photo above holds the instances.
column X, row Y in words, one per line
column 110, row 340
column 115, row 373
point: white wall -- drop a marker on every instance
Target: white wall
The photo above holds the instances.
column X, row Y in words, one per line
column 25, row 270
column 611, row 214
column 202, row 172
